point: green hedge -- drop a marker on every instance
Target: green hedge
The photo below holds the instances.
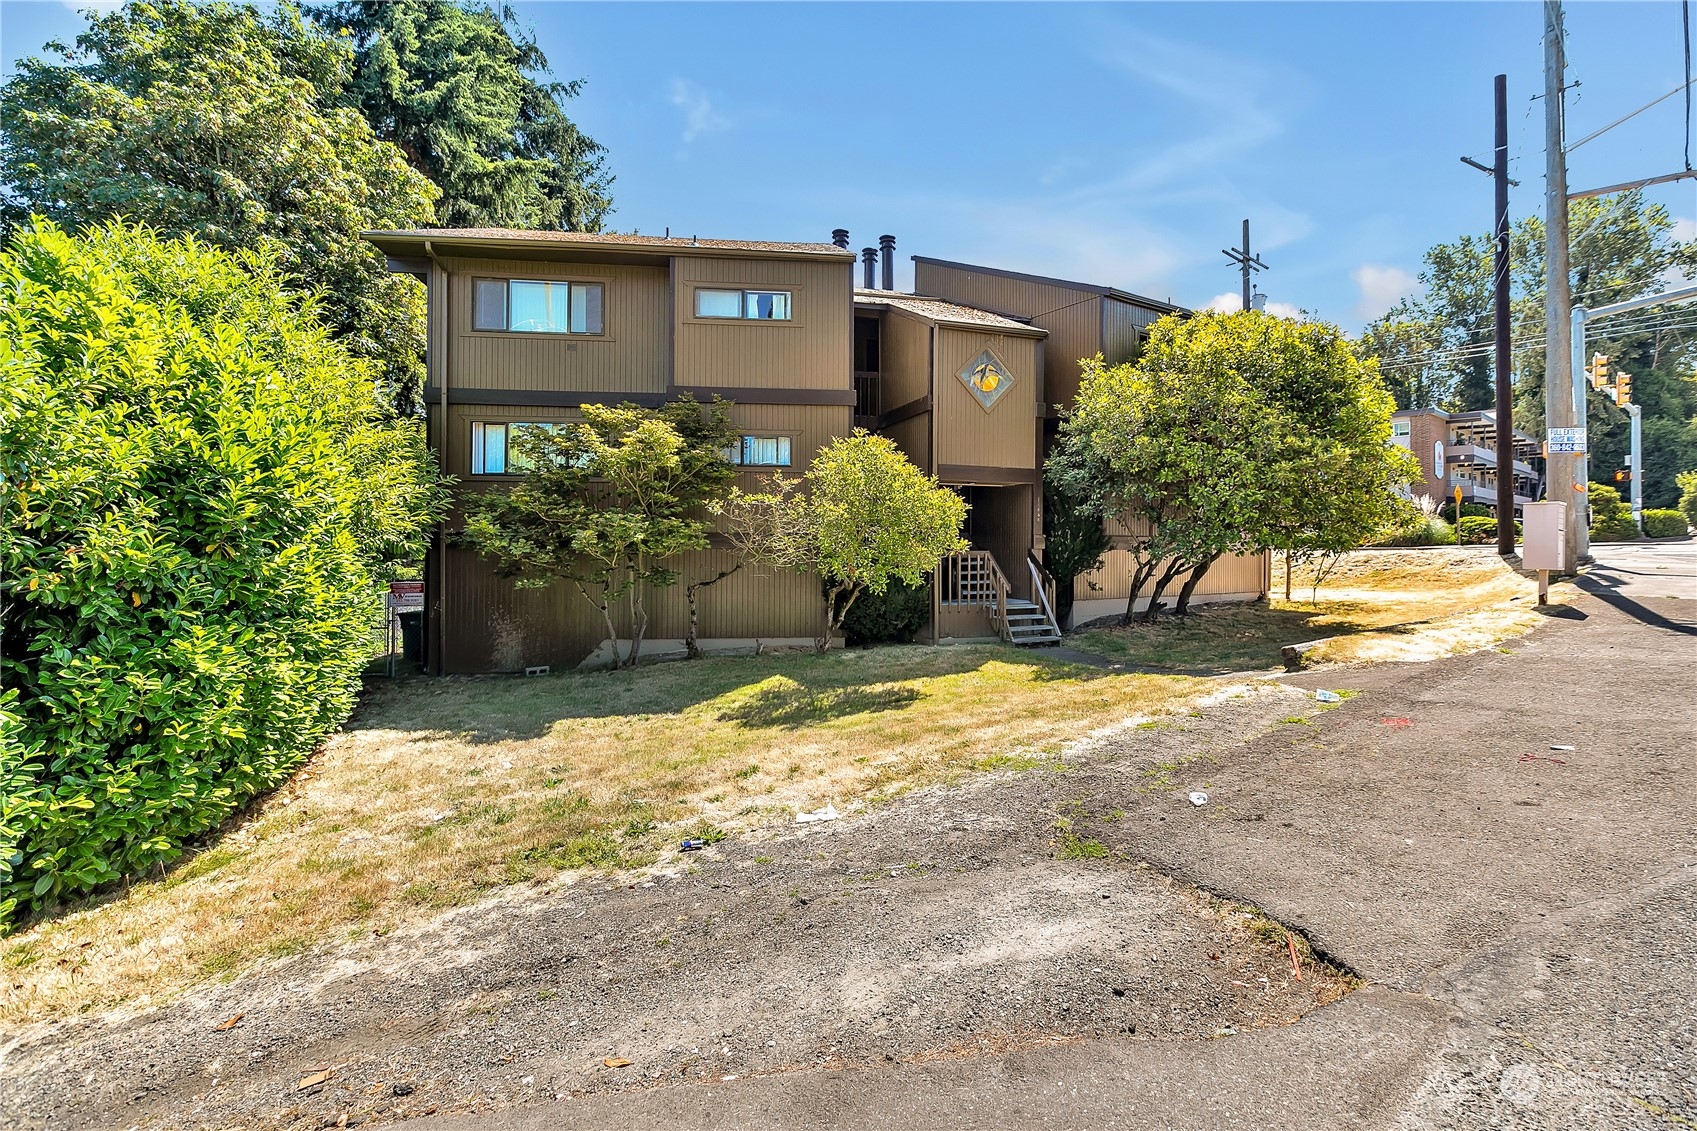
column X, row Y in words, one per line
column 1611, row 519
column 1664, row 524
column 1468, row 510
column 1687, row 481
column 198, row 493
column 1477, row 530
column 891, row 617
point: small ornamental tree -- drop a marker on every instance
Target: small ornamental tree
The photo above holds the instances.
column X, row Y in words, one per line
column 868, row 517
column 1236, row 433
column 608, row 504
column 199, row 492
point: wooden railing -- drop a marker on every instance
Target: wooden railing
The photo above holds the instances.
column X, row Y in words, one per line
column 1042, row 585
column 972, row 577
column 868, row 393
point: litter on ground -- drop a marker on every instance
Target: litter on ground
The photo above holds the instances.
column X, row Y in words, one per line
column 1197, row 797
column 1324, row 696
column 829, row 813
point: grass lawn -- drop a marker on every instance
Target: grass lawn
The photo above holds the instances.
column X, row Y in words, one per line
column 1378, row 604
column 441, row 791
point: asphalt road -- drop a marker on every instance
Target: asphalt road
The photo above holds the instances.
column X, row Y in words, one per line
column 1504, row 845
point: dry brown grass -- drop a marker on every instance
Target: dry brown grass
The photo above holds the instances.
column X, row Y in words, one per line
column 441, row 791
column 1375, row 605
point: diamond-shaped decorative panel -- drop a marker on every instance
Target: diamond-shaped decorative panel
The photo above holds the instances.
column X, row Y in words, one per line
column 986, row 378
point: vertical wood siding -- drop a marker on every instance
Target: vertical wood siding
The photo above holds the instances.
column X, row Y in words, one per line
column 904, row 358
column 493, row 626
column 1123, row 325
column 631, row 358
column 1007, row 434
column 811, row 351
column 1235, row 573
column 1072, row 317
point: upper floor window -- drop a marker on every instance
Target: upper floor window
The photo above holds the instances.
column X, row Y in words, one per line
column 761, row 451
column 528, row 306
column 1399, row 428
column 493, row 447
column 763, row 305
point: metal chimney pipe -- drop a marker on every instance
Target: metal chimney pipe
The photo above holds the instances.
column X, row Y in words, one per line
column 869, row 260
column 887, row 246
column 839, row 236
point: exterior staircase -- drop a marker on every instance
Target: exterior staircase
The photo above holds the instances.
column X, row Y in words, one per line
column 975, row 578
column 1029, row 624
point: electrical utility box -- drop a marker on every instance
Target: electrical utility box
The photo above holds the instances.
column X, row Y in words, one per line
column 1544, row 537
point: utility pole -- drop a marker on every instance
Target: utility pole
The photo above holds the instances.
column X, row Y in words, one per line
column 1247, row 262
column 1504, row 358
column 1565, row 470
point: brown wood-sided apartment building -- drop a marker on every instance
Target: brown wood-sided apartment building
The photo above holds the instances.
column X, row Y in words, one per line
column 968, row 376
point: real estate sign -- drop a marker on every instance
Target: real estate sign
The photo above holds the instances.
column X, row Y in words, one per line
column 406, row 595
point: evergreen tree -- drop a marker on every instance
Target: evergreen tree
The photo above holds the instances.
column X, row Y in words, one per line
column 452, row 85
column 217, row 121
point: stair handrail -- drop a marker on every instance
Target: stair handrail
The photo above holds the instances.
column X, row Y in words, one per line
column 1043, row 584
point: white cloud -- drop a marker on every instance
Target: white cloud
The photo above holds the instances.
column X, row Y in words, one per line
column 1228, row 302
column 1381, row 288
column 1683, row 229
column 699, row 115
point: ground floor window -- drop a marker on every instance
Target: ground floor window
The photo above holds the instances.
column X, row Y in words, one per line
column 492, row 446
column 761, row 451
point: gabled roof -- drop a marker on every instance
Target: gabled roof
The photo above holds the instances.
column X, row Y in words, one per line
column 412, row 241
column 1069, row 284
column 947, row 313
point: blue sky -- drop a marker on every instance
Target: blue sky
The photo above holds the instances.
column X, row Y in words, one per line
column 1121, row 144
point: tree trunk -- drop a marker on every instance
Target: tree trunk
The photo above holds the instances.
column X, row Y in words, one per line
column 692, row 650
column 1196, row 575
column 1167, row 575
column 823, row 641
column 690, row 642
column 1139, row 578
column 606, row 619
column 1287, row 575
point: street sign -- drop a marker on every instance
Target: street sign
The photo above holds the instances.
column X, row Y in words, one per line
column 1568, row 440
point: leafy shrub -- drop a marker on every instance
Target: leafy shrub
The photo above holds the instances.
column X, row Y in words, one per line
column 1611, row 519
column 1664, row 524
column 1468, row 510
column 1478, row 530
column 1688, row 495
column 197, row 497
column 891, row 617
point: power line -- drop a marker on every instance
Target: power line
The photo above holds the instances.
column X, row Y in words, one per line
column 1594, row 134
column 1656, row 322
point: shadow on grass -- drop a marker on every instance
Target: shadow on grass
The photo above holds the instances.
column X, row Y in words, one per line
column 791, row 706
column 805, row 689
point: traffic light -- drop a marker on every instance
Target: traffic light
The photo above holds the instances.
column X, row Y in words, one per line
column 1622, row 476
column 1623, row 388
column 1599, row 370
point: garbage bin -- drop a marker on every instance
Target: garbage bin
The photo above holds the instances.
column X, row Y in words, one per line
column 412, row 634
